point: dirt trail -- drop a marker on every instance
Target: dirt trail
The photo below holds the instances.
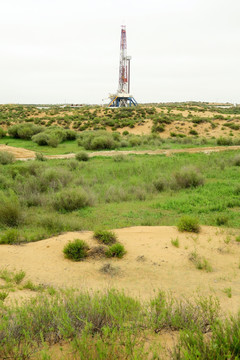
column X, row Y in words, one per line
column 24, row 154
column 151, row 263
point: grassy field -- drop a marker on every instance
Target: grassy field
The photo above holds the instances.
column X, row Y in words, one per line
column 59, row 195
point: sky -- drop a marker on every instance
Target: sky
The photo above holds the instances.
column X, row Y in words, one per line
column 67, row 51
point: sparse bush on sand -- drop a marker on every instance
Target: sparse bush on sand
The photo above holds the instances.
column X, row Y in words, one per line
column 76, row 250
column 106, row 237
column 189, row 224
column 116, row 250
column 82, row 156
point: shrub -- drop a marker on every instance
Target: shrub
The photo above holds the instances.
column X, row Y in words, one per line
column 221, row 220
column 11, row 236
column 188, row 177
column 160, row 184
column 24, row 131
column 41, row 139
column 2, row 133
column 82, row 156
column 193, row 132
column 72, row 199
column 175, row 242
column 116, row 250
column 236, row 160
column 40, row 157
column 224, row 141
column 53, row 141
column 76, row 250
column 10, row 210
column 6, row 158
column 105, row 237
column 189, row 224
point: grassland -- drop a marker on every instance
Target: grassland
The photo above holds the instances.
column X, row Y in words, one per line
column 117, row 192
column 41, row 198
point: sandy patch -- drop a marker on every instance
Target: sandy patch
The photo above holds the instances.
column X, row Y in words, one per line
column 19, row 153
column 151, row 263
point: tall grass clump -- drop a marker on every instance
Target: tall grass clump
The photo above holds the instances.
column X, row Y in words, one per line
column 187, row 177
column 72, row 199
column 106, row 237
column 6, row 158
column 189, row 224
column 76, row 250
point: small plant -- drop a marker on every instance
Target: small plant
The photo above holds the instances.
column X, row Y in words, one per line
column 238, row 238
column 200, row 262
column 76, row 250
column 106, row 237
column 236, row 160
column 6, row 158
column 108, row 269
column 193, row 132
column 116, row 250
column 228, row 292
column 3, row 295
column 189, row 224
column 82, row 156
column 18, row 277
column 175, row 242
column 30, row 286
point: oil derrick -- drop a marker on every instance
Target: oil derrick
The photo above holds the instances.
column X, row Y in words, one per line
column 123, row 98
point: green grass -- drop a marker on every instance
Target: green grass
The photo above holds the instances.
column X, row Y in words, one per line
column 122, row 194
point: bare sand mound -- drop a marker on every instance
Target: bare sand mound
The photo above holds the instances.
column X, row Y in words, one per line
column 151, row 263
column 19, row 153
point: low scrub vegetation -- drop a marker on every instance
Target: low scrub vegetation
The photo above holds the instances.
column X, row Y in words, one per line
column 98, row 325
column 76, row 250
column 189, row 224
column 106, row 237
column 6, row 158
column 116, row 250
column 200, row 262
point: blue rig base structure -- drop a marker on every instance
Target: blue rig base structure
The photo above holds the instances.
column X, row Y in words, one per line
column 122, row 101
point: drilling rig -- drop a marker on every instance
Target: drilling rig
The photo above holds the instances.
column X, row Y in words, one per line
column 123, row 98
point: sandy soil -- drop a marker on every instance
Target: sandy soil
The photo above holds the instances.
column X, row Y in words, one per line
column 24, row 154
column 18, row 152
column 151, row 263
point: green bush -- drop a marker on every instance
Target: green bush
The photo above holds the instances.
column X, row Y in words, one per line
column 72, row 199
column 98, row 140
column 76, row 250
column 224, row 141
column 106, row 237
column 116, row 250
column 10, row 210
column 236, row 160
column 2, row 133
column 11, row 236
column 189, row 224
column 24, row 131
column 82, row 156
column 6, row 158
column 187, row 177
column 222, row 220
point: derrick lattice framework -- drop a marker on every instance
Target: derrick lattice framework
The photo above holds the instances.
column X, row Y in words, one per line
column 122, row 97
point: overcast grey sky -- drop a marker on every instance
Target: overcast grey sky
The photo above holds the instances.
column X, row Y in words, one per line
column 55, row 51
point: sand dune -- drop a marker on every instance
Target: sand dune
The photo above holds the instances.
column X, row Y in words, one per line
column 151, row 263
